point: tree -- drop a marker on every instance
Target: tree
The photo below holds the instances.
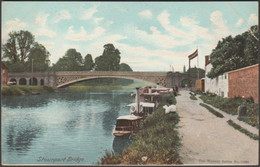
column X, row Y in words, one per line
column 234, row 53
column 88, row 62
column 252, row 47
column 109, row 60
column 184, row 69
column 124, row 67
column 40, row 57
column 71, row 61
column 18, row 46
column 194, row 70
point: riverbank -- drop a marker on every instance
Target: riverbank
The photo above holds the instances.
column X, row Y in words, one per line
column 157, row 142
column 230, row 106
column 14, row 90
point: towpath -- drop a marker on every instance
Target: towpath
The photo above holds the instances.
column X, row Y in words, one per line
column 207, row 139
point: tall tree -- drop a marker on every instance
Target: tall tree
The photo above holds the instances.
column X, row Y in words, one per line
column 71, row 61
column 184, row 69
column 252, row 47
column 18, row 46
column 124, row 67
column 40, row 57
column 109, row 60
column 194, row 70
column 88, row 63
column 234, row 53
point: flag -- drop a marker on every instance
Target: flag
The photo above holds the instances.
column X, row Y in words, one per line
column 193, row 55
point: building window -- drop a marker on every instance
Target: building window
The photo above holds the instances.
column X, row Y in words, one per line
column 225, row 76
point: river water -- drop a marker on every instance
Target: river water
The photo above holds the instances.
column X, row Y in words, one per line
column 62, row 128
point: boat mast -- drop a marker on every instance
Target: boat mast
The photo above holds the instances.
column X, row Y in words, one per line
column 137, row 100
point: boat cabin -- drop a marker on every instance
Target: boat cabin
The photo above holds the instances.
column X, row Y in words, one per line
column 127, row 125
column 145, row 109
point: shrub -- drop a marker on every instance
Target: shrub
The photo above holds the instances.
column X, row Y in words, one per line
column 230, row 105
column 192, row 97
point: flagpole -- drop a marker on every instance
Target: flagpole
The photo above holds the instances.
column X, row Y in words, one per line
column 189, row 75
column 198, row 63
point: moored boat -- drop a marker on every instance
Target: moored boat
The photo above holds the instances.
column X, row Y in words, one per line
column 36, row 93
column 127, row 125
column 145, row 109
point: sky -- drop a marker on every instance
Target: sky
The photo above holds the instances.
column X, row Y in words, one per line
column 151, row 36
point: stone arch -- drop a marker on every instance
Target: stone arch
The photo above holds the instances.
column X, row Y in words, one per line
column 22, row 81
column 14, row 81
column 185, row 82
column 35, row 81
column 42, row 82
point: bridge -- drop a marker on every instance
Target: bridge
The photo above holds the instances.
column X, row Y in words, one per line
column 66, row 78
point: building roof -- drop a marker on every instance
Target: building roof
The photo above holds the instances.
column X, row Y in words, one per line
column 144, row 104
column 151, row 94
column 129, row 117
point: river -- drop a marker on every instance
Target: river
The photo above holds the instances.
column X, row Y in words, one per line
column 62, row 128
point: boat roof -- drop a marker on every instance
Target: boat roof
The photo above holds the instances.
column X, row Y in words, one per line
column 129, row 117
column 144, row 104
column 151, row 94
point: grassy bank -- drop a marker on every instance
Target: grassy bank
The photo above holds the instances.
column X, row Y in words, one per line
column 239, row 128
column 24, row 89
column 192, row 97
column 157, row 142
column 212, row 110
column 230, row 105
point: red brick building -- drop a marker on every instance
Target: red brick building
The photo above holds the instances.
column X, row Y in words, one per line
column 4, row 74
column 244, row 82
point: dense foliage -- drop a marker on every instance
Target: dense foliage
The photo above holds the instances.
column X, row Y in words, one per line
column 124, row 67
column 71, row 61
column 20, row 49
column 234, row 53
column 195, row 70
column 230, row 105
column 109, row 60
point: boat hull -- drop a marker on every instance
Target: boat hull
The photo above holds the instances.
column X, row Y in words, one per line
column 121, row 133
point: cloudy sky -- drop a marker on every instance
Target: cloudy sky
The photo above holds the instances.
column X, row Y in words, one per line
column 151, row 36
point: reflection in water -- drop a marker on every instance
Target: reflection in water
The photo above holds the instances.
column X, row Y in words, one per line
column 72, row 123
column 109, row 116
column 77, row 124
column 109, row 120
column 120, row 143
column 20, row 138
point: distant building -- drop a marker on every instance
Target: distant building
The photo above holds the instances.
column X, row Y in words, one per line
column 218, row 85
column 4, row 74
